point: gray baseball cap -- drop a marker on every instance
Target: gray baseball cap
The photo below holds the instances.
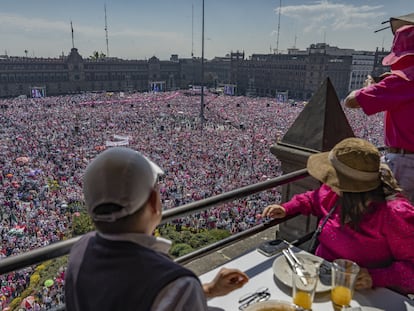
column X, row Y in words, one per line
column 119, row 176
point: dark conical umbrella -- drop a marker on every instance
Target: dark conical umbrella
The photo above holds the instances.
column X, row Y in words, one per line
column 397, row 22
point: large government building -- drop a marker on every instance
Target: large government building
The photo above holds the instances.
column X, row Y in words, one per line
column 297, row 73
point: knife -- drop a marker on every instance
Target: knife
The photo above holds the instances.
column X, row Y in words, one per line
column 297, row 261
column 295, row 267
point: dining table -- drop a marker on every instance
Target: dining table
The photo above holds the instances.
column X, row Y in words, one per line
column 263, row 273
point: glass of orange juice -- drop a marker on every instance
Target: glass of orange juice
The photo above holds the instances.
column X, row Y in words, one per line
column 304, row 285
column 344, row 274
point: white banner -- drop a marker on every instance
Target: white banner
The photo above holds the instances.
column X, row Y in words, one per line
column 119, row 141
column 120, row 137
column 116, row 143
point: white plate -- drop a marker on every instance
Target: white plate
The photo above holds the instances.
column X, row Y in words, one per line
column 362, row 308
column 273, row 305
column 283, row 272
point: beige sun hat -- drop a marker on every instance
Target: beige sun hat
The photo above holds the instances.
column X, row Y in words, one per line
column 353, row 165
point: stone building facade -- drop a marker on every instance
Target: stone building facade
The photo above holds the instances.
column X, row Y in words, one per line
column 299, row 73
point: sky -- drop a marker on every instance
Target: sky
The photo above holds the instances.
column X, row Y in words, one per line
column 142, row 29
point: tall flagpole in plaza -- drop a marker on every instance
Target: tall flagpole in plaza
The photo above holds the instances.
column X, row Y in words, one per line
column 202, row 69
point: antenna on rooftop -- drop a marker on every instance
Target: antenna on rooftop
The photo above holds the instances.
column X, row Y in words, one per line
column 106, row 33
column 73, row 41
column 278, row 27
column 294, row 43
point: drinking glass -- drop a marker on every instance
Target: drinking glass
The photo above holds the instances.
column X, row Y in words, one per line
column 344, row 273
column 304, row 285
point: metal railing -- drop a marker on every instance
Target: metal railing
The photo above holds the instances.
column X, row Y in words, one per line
column 62, row 248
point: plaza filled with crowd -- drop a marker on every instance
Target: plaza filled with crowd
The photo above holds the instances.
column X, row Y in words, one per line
column 46, row 143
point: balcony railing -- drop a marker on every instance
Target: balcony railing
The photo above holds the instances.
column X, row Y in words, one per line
column 62, row 248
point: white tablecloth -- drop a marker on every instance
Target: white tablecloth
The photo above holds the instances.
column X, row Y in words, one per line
column 259, row 269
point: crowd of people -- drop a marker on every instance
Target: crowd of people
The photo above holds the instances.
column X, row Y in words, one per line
column 46, row 143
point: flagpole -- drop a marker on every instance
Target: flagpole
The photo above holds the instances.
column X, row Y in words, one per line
column 202, row 69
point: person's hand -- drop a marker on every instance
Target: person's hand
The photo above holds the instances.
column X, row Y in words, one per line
column 274, row 211
column 369, row 80
column 224, row 282
column 350, row 101
column 363, row 280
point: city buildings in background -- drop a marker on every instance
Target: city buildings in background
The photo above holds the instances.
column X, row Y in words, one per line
column 296, row 74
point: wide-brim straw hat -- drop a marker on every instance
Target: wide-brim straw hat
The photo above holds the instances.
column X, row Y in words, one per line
column 353, row 165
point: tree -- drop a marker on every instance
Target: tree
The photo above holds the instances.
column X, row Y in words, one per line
column 82, row 224
column 180, row 249
column 189, row 239
column 97, row 55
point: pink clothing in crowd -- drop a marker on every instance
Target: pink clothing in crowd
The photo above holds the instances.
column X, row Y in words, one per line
column 394, row 95
column 384, row 243
column 43, row 194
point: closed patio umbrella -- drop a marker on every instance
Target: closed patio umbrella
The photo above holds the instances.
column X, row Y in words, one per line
column 397, row 22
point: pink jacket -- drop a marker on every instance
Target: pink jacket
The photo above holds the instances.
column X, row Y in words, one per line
column 394, row 95
column 384, row 243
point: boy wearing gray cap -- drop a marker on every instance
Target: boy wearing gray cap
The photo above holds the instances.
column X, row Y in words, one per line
column 122, row 266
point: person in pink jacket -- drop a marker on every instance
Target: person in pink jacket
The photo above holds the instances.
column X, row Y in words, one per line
column 393, row 94
column 366, row 218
